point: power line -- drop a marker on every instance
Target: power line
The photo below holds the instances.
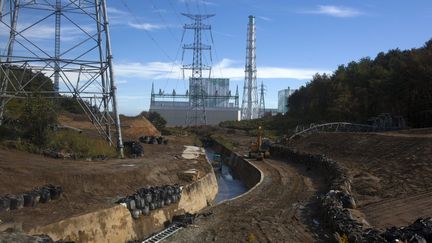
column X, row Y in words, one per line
column 158, row 11
column 146, row 31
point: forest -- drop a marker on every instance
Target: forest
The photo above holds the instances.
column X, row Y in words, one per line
column 397, row 82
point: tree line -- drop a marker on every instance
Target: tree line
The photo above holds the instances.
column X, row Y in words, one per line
column 397, row 82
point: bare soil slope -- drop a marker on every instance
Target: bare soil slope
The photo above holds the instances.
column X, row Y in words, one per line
column 89, row 185
column 132, row 127
column 391, row 171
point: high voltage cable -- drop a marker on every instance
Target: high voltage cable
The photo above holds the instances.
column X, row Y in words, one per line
column 163, row 20
column 146, row 31
column 175, row 11
column 213, row 44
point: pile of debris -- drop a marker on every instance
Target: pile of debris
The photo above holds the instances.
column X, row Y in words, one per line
column 134, row 148
column 31, row 198
column 149, row 198
column 153, row 140
column 419, row 231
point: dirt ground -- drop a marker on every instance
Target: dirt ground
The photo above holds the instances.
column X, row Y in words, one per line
column 391, row 171
column 280, row 209
column 132, row 127
column 89, row 185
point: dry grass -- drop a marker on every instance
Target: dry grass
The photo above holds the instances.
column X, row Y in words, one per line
column 80, row 144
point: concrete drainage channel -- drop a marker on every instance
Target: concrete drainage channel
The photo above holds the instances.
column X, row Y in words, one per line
column 229, row 186
column 229, row 170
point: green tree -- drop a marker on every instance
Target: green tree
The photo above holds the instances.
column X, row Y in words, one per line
column 38, row 118
column 156, row 119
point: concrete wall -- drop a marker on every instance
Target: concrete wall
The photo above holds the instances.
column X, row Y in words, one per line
column 115, row 224
column 177, row 116
column 241, row 168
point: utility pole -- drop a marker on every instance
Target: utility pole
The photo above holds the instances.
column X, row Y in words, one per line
column 197, row 113
column 250, row 96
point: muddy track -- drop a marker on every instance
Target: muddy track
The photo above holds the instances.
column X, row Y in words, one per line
column 273, row 212
column 405, row 209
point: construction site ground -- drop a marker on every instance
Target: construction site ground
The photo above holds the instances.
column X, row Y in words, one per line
column 392, row 185
column 391, row 171
column 89, row 185
column 280, row 209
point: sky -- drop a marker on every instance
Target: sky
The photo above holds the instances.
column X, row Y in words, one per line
column 295, row 40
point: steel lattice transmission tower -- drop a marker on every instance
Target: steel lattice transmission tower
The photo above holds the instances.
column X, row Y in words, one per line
column 197, row 114
column 250, row 96
column 262, row 101
column 81, row 67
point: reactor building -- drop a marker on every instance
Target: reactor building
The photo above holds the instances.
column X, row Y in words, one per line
column 220, row 104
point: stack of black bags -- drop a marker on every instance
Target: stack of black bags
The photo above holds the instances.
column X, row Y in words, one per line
column 148, row 198
column 31, row 198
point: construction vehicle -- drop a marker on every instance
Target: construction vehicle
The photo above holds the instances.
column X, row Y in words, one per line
column 260, row 149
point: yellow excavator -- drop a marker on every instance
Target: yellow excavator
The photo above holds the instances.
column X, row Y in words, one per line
column 260, row 149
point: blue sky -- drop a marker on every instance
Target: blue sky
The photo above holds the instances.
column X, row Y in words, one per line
column 295, row 39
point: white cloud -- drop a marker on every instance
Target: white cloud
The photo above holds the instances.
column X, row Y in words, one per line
column 204, row 2
column 115, row 11
column 121, row 81
column 229, row 69
column 335, row 11
column 47, row 32
column 265, row 18
column 146, row 26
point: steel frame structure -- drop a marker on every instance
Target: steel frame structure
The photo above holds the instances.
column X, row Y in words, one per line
column 262, row 101
column 81, row 67
column 197, row 113
column 250, row 95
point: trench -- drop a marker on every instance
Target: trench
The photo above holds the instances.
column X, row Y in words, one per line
column 228, row 185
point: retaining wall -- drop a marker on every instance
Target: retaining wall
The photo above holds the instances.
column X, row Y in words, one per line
column 115, row 224
column 241, row 168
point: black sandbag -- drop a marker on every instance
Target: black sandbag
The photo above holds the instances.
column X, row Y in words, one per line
column 13, row 202
column 131, row 204
column 4, row 204
column 29, row 199
column 136, row 213
column 45, row 195
column 146, row 210
column 148, row 197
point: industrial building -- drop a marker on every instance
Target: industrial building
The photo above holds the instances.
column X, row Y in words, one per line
column 208, row 101
column 220, row 104
column 283, row 96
